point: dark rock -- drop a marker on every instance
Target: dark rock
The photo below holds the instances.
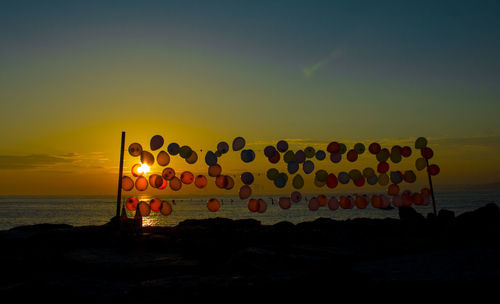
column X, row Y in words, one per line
column 490, row 213
column 41, row 227
column 446, row 215
column 410, row 214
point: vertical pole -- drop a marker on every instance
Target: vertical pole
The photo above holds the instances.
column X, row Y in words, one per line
column 432, row 189
column 120, row 175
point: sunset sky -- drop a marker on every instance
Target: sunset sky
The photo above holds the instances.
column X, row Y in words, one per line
column 74, row 74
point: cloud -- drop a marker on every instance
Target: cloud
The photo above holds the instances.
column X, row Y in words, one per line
column 310, row 70
column 37, row 161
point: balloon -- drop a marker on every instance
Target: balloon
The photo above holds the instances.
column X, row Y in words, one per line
column 417, row 199
column 383, row 179
column 372, row 180
column 333, row 147
column 166, row 208
column 395, row 156
column 187, row 177
column 175, row 183
column 343, row 177
column 135, row 149
column 193, row 158
column 376, row 201
column 253, row 205
column 320, row 155
column 156, row 142
column 396, row 177
column 420, row 143
column 230, row 183
column 163, row 158
column 374, row 148
column 300, row 156
column 245, row 192
column 247, row 156
column 421, row 163
column 144, row 209
column 141, row 183
column 343, row 148
column 406, row 151
column 313, row 204
column 393, row 189
column 247, row 178
column 352, row 155
column 427, row 199
column 368, row 172
column 383, row 155
column 355, row 174
column 397, row 201
column 147, row 158
column 200, row 181
column 322, row 200
column 298, row 182
column 360, row 182
column 292, row 167
column 308, row 167
column 433, row 170
column 406, row 197
column 345, row 202
column 275, row 158
column 296, row 196
column 223, row 147
column 238, row 143
column 214, row 170
column 285, row 202
column 173, row 149
column 135, row 170
column 336, row 157
column 213, row 205
column 361, row 202
column 210, row 158
column 359, row 148
column 409, row 176
column 163, row 184
column 427, row 153
column 168, row 173
column 425, row 191
column 281, row 180
column 282, row 146
column 309, row 152
column 288, row 156
column 382, row 167
column 270, row 151
column 262, row 205
column 386, row 202
column 155, row 204
column 332, row 181
column 155, row 180
column 127, row 183
column 222, row 181
column 319, row 183
column 131, row 203
column 333, row 203
column 185, row 152
column 272, row 174
column 321, row 175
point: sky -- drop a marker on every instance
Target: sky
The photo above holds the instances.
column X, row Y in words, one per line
column 75, row 74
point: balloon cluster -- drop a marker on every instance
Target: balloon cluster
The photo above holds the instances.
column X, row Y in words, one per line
column 302, row 160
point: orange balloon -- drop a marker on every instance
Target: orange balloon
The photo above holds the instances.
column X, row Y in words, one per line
column 175, row 184
column 406, row 197
column 155, row 180
column 200, row 181
column 168, row 173
column 213, row 205
column 166, row 208
column 262, row 205
column 352, row 155
column 221, row 181
column 245, row 192
column 393, row 189
column 322, row 200
column 144, row 209
column 361, row 202
column 313, row 204
column 285, row 202
column 253, row 205
column 376, row 201
column 214, row 170
column 141, row 183
column 164, row 184
column 417, row 199
column 229, row 183
column 155, row 204
column 187, row 177
column 127, row 183
column 344, row 202
column 134, row 170
column 131, row 203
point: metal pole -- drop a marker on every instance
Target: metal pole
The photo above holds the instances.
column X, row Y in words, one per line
column 432, row 189
column 120, row 175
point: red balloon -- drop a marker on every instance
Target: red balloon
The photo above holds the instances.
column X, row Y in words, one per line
column 131, row 203
column 393, row 189
column 377, row 201
column 155, row 204
column 333, row 147
column 361, row 202
column 352, row 155
column 213, row 205
column 200, row 181
column 433, row 169
column 382, row 167
column 275, row 158
column 360, row 182
column 332, row 181
column 406, row 151
column 374, row 148
column 427, row 153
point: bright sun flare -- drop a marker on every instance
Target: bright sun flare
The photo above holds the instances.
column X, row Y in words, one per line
column 144, row 168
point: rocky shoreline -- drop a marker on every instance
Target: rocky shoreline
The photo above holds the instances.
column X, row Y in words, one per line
column 241, row 260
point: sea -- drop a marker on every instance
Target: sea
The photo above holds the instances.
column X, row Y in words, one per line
column 97, row 210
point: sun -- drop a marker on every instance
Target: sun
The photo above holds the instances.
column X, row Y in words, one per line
column 143, row 169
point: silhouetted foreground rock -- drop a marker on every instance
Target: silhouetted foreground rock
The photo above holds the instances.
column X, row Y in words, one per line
column 241, row 260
